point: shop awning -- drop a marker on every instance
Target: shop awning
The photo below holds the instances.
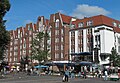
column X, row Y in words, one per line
column 41, row 66
column 84, row 63
column 82, row 53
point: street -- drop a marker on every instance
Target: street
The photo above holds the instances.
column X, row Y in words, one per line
column 23, row 78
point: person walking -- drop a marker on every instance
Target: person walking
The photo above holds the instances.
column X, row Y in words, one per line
column 106, row 74
column 100, row 74
column 84, row 74
column 66, row 75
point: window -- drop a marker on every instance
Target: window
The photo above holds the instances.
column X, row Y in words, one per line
column 89, row 23
column 118, row 48
column 20, row 41
column 24, row 45
column 61, row 47
column 62, row 31
column 56, row 32
column 29, row 28
column 119, row 40
column 72, row 34
column 61, row 55
column 57, row 23
column 61, row 39
column 56, row 47
column 30, row 38
column 11, row 43
column 72, row 26
column 119, row 25
column 80, row 24
column 114, row 24
column 56, row 55
column 72, row 42
column 57, row 40
column 21, row 34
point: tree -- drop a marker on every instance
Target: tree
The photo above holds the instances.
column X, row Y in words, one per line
column 24, row 61
column 4, row 34
column 39, row 47
column 114, row 58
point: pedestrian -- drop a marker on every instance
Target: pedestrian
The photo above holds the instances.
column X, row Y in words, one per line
column 84, row 74
column 66, row 75
column 106, row 74
column 100, row 74
column 79, row 74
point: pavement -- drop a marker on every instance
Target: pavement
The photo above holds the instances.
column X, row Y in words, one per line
column 24, row 78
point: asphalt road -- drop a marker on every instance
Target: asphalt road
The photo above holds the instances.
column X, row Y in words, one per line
column 23, row 78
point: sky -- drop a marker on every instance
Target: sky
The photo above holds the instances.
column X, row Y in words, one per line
column 26, row 11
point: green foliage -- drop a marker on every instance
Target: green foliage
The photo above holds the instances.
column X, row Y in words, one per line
column 4, row 34
column 114, row 58
column 38, row 47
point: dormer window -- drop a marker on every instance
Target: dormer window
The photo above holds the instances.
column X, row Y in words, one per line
column 29, row 28
column 114, row 24
column 72, row 26
column 57, row 23
column 81, row 24
column 119, row 25
column 89, row 23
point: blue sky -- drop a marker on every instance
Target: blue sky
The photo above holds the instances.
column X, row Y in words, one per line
column 25, row 11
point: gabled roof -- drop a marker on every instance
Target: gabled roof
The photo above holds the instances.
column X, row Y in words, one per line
column 65, row 18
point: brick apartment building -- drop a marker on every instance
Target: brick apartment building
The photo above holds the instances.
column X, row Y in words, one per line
column 21, row 40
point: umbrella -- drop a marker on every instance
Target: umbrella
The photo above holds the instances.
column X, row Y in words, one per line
column 13, row 67
column 41, row 66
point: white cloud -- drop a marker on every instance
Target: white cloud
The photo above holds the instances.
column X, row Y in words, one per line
column 85, row 10
column 62, row 11
column 27, row 21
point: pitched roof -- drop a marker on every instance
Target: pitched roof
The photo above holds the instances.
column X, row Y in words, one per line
column 65, row 18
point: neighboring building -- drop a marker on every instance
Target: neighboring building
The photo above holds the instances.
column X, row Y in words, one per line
column 20, row 45
column 21, row 41
column 96, row 35
column 59, row 24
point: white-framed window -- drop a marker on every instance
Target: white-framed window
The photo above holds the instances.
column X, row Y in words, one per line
column 10, row 54
column 21, row 34
column 72, row 26
column 10, row 60
column 72, row 42
column 11, row 43
column 62, row 31
column 30, row 51
column 89, row 23
column 114, row 24
column 16, row 41
column 56, row 55
column 72, row 34
column 30, row 32
column 118, row 40
column 118, row 48
column 24, row 45
column 62, row 55
column 61, row 39
column 56, row 47
column 61, row 47
column 30, row 38
column 21, row 41
column 56, row 32
column 119, row 25
column 57, row 40
column 57, row 23
column 81, row 24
